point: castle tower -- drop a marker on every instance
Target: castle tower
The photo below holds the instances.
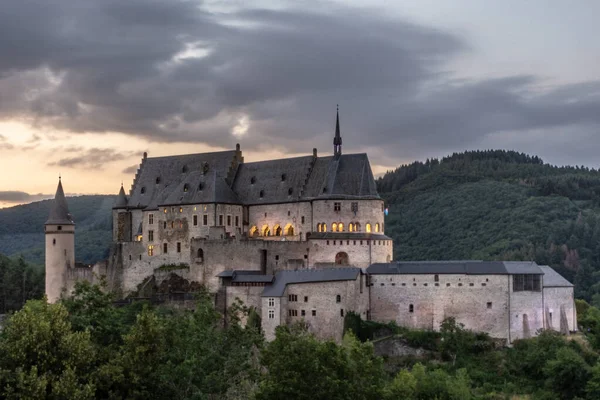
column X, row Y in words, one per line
column 60, row 245
column 337, row 140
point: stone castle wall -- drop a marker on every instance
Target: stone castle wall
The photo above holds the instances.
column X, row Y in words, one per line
column 368, row 212
column 283, row 215
column 361, row 253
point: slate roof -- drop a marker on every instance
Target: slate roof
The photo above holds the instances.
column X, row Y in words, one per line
column 348, row 236
column 245, row 276
column 553, row 278
column 264, row 182
column 284, row 278
column 121, row 199
column 59, row 214
column 172, row 175
column 455, row 267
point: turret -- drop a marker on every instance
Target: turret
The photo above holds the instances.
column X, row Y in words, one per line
column 337, row 140
column 60, row 245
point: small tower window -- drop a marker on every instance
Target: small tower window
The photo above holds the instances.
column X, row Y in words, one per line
column 283, row 177
column 262, row 194
column 324, row 190
column 53, row 241
column 184, row 169
column 186, row 187
column 143, row 190
column 253, row 180
column 200, row 186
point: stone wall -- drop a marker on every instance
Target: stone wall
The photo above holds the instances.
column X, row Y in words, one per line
column 249, row 295
column 369, row 211
column 320, row 297
column 558, row 301
column 526, row 315
column 272, row 315
column 361, row 253
column 282, row 215
column 480, row 302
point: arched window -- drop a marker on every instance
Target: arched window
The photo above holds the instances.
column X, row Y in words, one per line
column 341, row 258
column 377, row 227
column 334, row 227
column 277, row 230
column 253, row 231
column 350, row 227
column 368, row 228
column 338, row 298
column 324, row 226
column 356, row 227
column 266, row 231
column 290, row 191
column 289, row 230
column 200, row 255
column 340, row 227
column 318, row 227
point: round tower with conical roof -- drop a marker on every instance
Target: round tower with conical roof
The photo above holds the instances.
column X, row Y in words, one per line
column 60, row 245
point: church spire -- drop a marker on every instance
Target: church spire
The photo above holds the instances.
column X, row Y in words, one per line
column 59, row 214
column 337, row 140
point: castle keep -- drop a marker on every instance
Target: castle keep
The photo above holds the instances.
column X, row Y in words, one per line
column 297, row 239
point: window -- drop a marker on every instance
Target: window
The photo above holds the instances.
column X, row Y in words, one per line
column 253, row 180
column 180, row 210
column 200, row 255
column 337, row 206
column 471, row 284
column 377, row 227
column 306, row 299
column 237, row 220
column 179, row 247
column 489, row 304
column 526, row 282
column 302, row 313
column 195, row 220
column 150, row 219
column 436, row 278
column 368, row 227
column 205, row 219
column 221, row 220
column 354, row 207
column 334, row 227
column 271, row 314
column 229, row 220
column 411, row 308
column 261, row 194
column 165, row 225
column 165, row 248
column 293, row 313
column 53, row 241
column 447, row 285
column 283, row 177
column 157, row 180
column 60, row 228
column 165, row 210
column 150, row 236
column 184, row 169
column 150, row 250
column 293, row 297
column 172, row 224
column 186, row 187
column 143, row 190
column 290, row 191
column 271, row 302
column 338, row 298
column 341, row 312
column 314, row 313
column 302, row 219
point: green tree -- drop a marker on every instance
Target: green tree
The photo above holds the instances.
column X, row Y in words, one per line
column 567, row 374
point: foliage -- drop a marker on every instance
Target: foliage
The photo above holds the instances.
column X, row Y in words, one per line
column 172, row 267
column 21, row 232
column 19, row 282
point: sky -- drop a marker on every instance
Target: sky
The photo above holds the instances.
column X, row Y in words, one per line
column 87, row 86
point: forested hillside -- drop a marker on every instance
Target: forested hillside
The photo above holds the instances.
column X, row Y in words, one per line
column 22, row 228
column 498, row 205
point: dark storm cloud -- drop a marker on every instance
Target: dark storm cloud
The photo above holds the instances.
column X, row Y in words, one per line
column 92, row 159
column 111, row 66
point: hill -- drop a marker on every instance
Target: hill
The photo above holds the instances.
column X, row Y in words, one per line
column 497, row 205
column 22, row 228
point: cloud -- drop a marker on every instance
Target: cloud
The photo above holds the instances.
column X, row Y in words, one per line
column 14, row 197
column 175, row 70
column 94, row 158
column 131, row 170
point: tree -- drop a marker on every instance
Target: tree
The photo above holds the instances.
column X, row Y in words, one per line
column 567, row 374
column 42, row 357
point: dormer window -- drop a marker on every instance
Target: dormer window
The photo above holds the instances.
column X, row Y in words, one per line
column 253, row 180
column 290, row 191
column 324, row 190
column 201, row 186
column 186, row 187
column 262, row 194
column 283, row 177
column 184, row 169
column 143, row 189
column 157, row 180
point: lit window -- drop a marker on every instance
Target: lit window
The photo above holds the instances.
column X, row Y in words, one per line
column 151, row 250
column 165, row 210
column 368, row 227
column 340, row 227
column 180, row 209
column 377, row 227
column 334, row 227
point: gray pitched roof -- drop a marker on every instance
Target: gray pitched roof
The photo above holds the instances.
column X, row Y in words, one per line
column 59, row 214
column 455, row 267
column 239, row 276
column 172, row 172
column 121, row 199
column 553, row 278
column 284, row 278
column 198, row 187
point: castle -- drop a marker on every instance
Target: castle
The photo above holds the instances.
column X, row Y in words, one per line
column 297, row 239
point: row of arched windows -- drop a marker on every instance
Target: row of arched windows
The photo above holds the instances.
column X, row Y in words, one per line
column 265, row 230
column 352, row 227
